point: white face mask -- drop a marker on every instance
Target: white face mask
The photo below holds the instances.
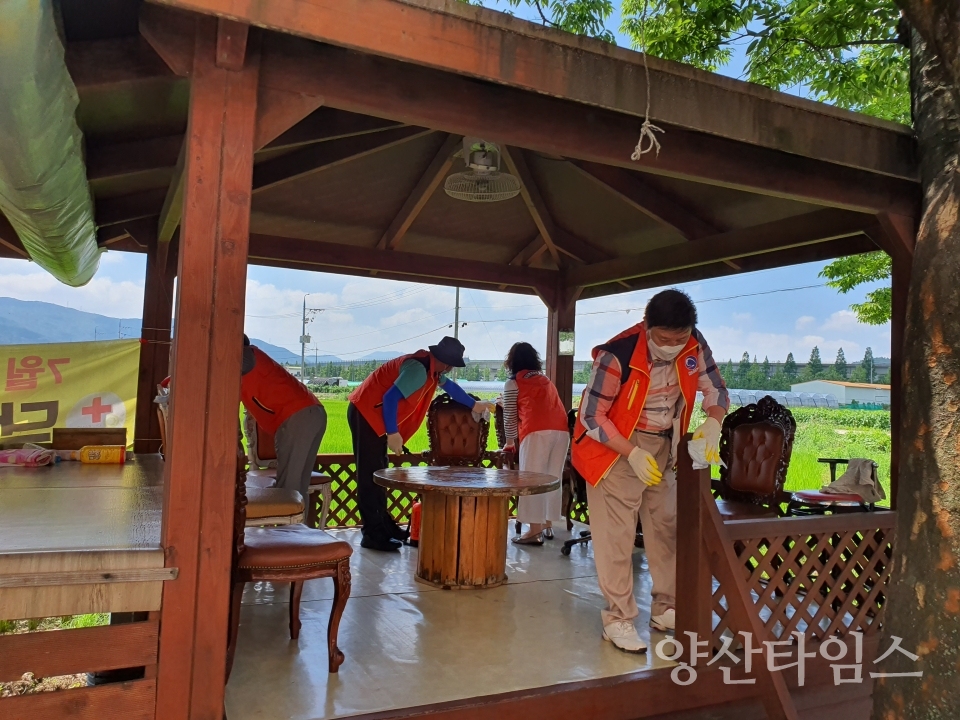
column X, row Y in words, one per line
column 665, row 352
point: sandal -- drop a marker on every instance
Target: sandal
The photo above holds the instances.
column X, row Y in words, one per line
column 548, row 533
column 528, row 539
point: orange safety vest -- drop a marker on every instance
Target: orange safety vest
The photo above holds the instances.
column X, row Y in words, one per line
column 271, row 394
column 538, row 405
column 593, row 459
column 368, row 398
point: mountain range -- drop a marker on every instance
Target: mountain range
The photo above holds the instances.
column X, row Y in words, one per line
column 24, row 322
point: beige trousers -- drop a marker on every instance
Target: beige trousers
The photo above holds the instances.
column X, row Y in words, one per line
column 615, row 502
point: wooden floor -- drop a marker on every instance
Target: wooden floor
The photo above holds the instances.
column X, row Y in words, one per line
column 528, row 649
column 73, row 518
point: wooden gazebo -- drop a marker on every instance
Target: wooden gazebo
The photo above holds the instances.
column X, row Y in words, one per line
column 316, row 134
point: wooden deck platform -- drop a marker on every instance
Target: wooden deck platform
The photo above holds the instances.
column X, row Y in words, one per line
column 528, row 649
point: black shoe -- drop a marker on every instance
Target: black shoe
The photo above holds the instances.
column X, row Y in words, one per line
column 384, row 544
column 398, row 533
column 413, row 543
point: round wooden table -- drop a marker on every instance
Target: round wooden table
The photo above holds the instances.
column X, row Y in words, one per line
column 463, row 521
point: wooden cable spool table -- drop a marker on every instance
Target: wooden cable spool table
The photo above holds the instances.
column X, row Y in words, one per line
column 463, row 526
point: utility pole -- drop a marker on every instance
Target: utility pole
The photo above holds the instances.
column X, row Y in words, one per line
column 456, row 324
column 304, row 338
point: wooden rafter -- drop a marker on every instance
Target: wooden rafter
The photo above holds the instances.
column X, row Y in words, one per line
column 171, row 34
column 269, row 247
column 279, row 110
column 10, row 240
column 428, row 183
column 745, row 246
column 314, row 158
column 648, row 197
column 807, row 229
column 532, row 198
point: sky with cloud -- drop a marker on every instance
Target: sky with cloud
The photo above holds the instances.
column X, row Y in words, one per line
column 768, row 313
column 760, row 313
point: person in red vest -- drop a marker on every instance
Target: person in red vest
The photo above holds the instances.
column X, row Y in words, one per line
column 285, row 408
column 384, row 412
column 635, row 408
column 534, row 419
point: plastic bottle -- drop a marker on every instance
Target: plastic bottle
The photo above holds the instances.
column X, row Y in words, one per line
column 97, row 454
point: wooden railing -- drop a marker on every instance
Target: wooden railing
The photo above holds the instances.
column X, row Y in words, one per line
column 344, row 510
column 823, row 577
column 83, row 650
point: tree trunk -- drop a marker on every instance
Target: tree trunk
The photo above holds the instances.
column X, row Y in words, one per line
column 924, row 595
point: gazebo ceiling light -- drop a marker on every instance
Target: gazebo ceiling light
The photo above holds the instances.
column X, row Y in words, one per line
column 483, row 182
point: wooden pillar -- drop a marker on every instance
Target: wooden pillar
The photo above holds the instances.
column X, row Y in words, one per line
column 205, row 393
column 155, row 347
column 694, row 578
column 561, row 317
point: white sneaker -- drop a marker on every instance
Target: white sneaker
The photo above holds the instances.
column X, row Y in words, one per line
column 666, row 622
column 624, row 636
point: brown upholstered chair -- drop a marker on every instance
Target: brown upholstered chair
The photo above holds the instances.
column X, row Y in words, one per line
column 262, row 456
column 455, row 437
column 755, row 445
column 290, row 553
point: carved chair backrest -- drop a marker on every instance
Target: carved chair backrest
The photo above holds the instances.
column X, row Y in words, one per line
column 755, row 445
column 261, row 450
column 500, row 427
column 240, row 501
column 455, row 437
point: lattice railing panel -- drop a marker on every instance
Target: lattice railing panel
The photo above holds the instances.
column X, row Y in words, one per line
column 824, row 583
column 344, row 510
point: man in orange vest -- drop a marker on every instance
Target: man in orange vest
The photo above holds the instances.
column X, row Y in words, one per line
column 635, row 408
column 385, row 412
column 285, row 408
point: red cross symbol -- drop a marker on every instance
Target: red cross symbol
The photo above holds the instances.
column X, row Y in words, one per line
column 96, row 411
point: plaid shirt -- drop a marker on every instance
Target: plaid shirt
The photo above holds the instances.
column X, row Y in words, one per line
column 662, row 397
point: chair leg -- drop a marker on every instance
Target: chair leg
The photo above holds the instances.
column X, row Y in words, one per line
column 326, row 492
column 341, row 593
column 296, row 590
column 234, row 629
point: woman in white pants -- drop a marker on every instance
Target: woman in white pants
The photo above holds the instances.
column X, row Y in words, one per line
column 535, row 419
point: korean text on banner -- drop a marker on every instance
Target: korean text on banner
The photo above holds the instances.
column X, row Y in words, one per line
column 74, row 385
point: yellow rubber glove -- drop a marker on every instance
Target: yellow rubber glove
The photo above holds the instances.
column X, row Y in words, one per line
column 710, row 431
column 645, row 466
column 395, row 443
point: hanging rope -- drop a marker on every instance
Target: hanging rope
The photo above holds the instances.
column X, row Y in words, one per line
column 648, row 128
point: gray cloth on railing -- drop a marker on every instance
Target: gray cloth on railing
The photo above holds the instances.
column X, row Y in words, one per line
column 859, row 479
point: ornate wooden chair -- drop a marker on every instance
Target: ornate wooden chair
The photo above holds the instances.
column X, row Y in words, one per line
column 755, row 445
column 262, row 455
column 455, row 437
column 290, row 553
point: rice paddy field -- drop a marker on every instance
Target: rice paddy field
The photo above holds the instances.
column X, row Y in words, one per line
column 821, row 433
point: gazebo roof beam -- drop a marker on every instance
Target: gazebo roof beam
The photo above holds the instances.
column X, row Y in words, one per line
column 426, row 186
column 414, row 265
column 493, row 47
column 112, row 211
column 430, row 98
column 380, row 275
column 815, row 227
column 851, row 245
column 314, row 158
